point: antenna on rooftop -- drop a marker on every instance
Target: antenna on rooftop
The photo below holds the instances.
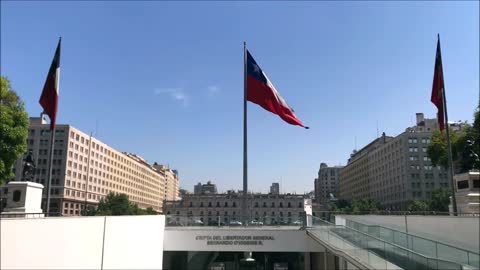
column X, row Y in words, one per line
column 355, row 139
column 377, row 128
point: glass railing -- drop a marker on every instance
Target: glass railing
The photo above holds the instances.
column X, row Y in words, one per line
column 418, row 244
column 226, row 221
column 376, row 253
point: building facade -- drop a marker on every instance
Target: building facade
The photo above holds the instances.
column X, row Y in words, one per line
column 326, row 185
column 275, row 189
column 226, row 207
column 208, row 188
column 85, row 170
column 393, row 171
column 171, row 191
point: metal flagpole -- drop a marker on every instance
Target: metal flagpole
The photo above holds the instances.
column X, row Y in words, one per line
column 449, row 145
column 49, row 179
column 245, row 171
column 450, row 163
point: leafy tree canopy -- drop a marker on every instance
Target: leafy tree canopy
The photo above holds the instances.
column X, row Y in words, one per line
column 118, row 205
column 463, row 153
column 13, row 129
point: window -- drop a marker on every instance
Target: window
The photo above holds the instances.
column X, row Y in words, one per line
column 462, row 184
column 234, row 205
column 17, row 194
column 476, row 183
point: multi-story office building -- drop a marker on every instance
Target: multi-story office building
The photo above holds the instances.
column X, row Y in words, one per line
column 327, row 182
column 268, row 208
column 275, row 189
column 171, row 192
column 394, row 170
column 85, row 170
column 208, row 188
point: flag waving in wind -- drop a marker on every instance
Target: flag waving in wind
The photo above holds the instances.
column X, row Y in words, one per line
column 438, row 88
column 262, row 92
column 49, row 97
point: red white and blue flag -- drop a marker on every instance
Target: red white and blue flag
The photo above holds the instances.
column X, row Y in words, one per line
column 438, row 88
column 49, row 97
column 262, row 92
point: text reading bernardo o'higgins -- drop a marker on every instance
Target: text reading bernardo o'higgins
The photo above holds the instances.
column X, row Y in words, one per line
column 234, row 239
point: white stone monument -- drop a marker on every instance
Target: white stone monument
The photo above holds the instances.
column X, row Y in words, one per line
column 24, row 199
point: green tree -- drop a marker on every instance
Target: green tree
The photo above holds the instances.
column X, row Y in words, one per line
column 462, row 157
column 439, row 200
column 118, row 205
column 417, row 206
column 363, row 205
column 13, row 129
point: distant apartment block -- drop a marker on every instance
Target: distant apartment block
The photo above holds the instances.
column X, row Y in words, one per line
column 275, row 189
column 85, row 170
column 208, row 188
column 326, row 185
column 171, row 192
column 394, row 170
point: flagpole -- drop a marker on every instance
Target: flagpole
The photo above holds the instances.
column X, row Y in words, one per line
column 49, row 179
column 245, row 171
column 449, row 145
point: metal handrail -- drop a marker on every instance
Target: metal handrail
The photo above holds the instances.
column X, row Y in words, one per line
column 403, row 248
column 409, row 234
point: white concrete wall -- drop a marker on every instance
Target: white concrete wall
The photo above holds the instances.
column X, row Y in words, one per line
column 131, row 242
column 186, row 239
column 462, row 232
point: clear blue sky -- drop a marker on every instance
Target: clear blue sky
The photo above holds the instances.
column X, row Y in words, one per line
column 165, row 80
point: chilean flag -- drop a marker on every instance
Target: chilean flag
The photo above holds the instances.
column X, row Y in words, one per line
column 49, row 97
column 438, row 87
column 262, row 92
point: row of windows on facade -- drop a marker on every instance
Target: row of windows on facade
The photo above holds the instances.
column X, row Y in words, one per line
column 44, row 152
column 58, row 142
column 113, row 185
column 144, row 197
column 139, row 185
column 234, row 204
column 415, row 140
column 425, row 167
column 45, row 132
column 418, row 194
column 415, row 149
column 144, row 179
column 72, row 208
column 134, row 188
column 428, row 184
column 42, row 172
column 107, row 152
column 428, row 176
column 209, row 213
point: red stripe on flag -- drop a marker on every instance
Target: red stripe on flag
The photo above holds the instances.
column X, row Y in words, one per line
column 49, row 99
column 259, row 93
column 438, row 88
